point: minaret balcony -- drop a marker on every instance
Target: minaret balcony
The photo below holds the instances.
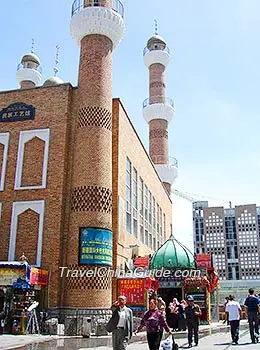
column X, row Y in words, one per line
column 33, row 74
column 168, row 172
column 156, row 55
column 92, row 17
column 158, row 107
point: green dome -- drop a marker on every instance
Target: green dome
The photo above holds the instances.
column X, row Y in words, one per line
column 172, row 254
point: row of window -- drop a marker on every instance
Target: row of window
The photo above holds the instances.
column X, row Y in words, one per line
column 140, row 200
column 25, row 138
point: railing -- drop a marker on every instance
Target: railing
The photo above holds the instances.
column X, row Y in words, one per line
column 78, row 5
column 163, row 159
column 147, row 50
column 38, row 68
column 158, row 99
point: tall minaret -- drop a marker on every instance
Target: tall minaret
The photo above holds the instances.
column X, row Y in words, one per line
column 98, row 27
column 29, row 73
column 158, row 109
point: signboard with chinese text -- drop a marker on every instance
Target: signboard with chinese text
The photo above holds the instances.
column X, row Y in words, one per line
column 203, row 260
column 39, row 277
column 141, row 262
column 17, row 112
column 95, row 246
column 132, row 289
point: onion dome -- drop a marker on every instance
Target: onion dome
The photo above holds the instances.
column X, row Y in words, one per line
column 173, row 254
column 53, row 81
column 31, row 57
column 156, row 40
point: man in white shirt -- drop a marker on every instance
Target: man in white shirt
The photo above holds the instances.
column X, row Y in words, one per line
column 233, row 315
column 120, row 324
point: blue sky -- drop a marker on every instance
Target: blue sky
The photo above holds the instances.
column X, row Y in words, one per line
column 213, row 78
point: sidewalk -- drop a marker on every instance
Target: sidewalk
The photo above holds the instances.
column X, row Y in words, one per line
column 16, row 341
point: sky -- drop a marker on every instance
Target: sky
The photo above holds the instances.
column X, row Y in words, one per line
column 213, row 78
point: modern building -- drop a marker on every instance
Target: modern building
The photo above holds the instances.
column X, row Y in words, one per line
column 231, row 236
column 77, row 187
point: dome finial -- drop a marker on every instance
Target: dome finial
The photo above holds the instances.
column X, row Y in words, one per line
column 32, row 48
column 56, row 69
column 156, row 26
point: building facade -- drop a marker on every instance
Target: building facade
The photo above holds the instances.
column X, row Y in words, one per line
column 72, row 166
column 231, row 236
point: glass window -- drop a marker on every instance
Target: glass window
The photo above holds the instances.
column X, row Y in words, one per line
column 150, row 241
column 150, row 208
column 164, row 227
column 158, row 218
column 128, row 195
column 146, row 237
column 141, row 196
column 142, row 234
column 146, row 202
column 134, row 202
column 154, row 214
column 135, row 227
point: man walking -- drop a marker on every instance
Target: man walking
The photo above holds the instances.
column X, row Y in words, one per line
column 252, row 304
column 120, row 324
column 233, row 315
column 193, row 312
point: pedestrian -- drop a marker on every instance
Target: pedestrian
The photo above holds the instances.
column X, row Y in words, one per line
column 193, row 313
column 162, row 306
column 2, row 322
column 225, row 304
column 252, row 304
column 174, row 314
column 120, row 324
column 233, row 314
column 182, row 317
column 155, row 322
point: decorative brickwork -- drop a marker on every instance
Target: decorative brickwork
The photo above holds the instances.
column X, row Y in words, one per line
column 158, row 133
column 33, row 162
column 85, row 282
column 94, row 115
column 27, row 235
column 92, row 198
column 157, row 84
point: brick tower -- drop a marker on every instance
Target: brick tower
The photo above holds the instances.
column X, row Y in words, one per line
column 97, row 26
column 29, row 73
column 158, row 110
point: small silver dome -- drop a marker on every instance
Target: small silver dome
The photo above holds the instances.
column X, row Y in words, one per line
column 53, row 81
column 156, row 39
column 31, row 57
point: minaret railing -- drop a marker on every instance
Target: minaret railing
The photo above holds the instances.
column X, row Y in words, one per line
column 78, row 5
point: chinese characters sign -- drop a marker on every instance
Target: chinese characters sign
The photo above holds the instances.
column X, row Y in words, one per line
column 17, row 112
column 39, row 277
column 95, row 247
column 203, row 260
column 133, row 289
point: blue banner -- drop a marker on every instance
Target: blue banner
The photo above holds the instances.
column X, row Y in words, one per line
column 95, row 246
column 17, row 112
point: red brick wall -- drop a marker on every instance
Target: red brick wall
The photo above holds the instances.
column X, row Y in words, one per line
column 157, row 81
column 27, row 236
column 53, row 110
column 158, row 141
column 33, row 162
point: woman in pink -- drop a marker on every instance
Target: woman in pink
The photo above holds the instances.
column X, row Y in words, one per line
column 154, row 322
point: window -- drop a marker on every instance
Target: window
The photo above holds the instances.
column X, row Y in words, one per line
column 154, row 243
column 141, row 196
column 128, row 195
column 134, row 203
column 142, row 234
column 150, row 241
column 158, row 218
column 164, row 227
column 154, row 214
column 146, row 200
column 4, row 142
column 146, row 237
column 161, row 221
column 150, row 208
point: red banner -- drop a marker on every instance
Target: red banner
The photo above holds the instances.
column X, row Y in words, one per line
column 39, row 277
column 133, row 289
column 142, row 262
column 203, row 260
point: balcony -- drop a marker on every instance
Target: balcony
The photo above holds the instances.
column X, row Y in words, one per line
column 162, row 159
column 78, row 5
column 168, row 172
column 147, row 50
column 158, row 107
column 35, row 67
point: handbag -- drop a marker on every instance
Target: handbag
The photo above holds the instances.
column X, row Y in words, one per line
column 169, row 344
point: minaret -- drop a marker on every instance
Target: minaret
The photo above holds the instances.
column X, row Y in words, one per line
column 158, row 109
column 29, row 73
column 98, row 27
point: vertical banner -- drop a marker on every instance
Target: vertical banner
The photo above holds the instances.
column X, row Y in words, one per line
column 95, row 246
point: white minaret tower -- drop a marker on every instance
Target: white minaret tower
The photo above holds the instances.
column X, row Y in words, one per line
column 158, row 109
column 29, row 73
